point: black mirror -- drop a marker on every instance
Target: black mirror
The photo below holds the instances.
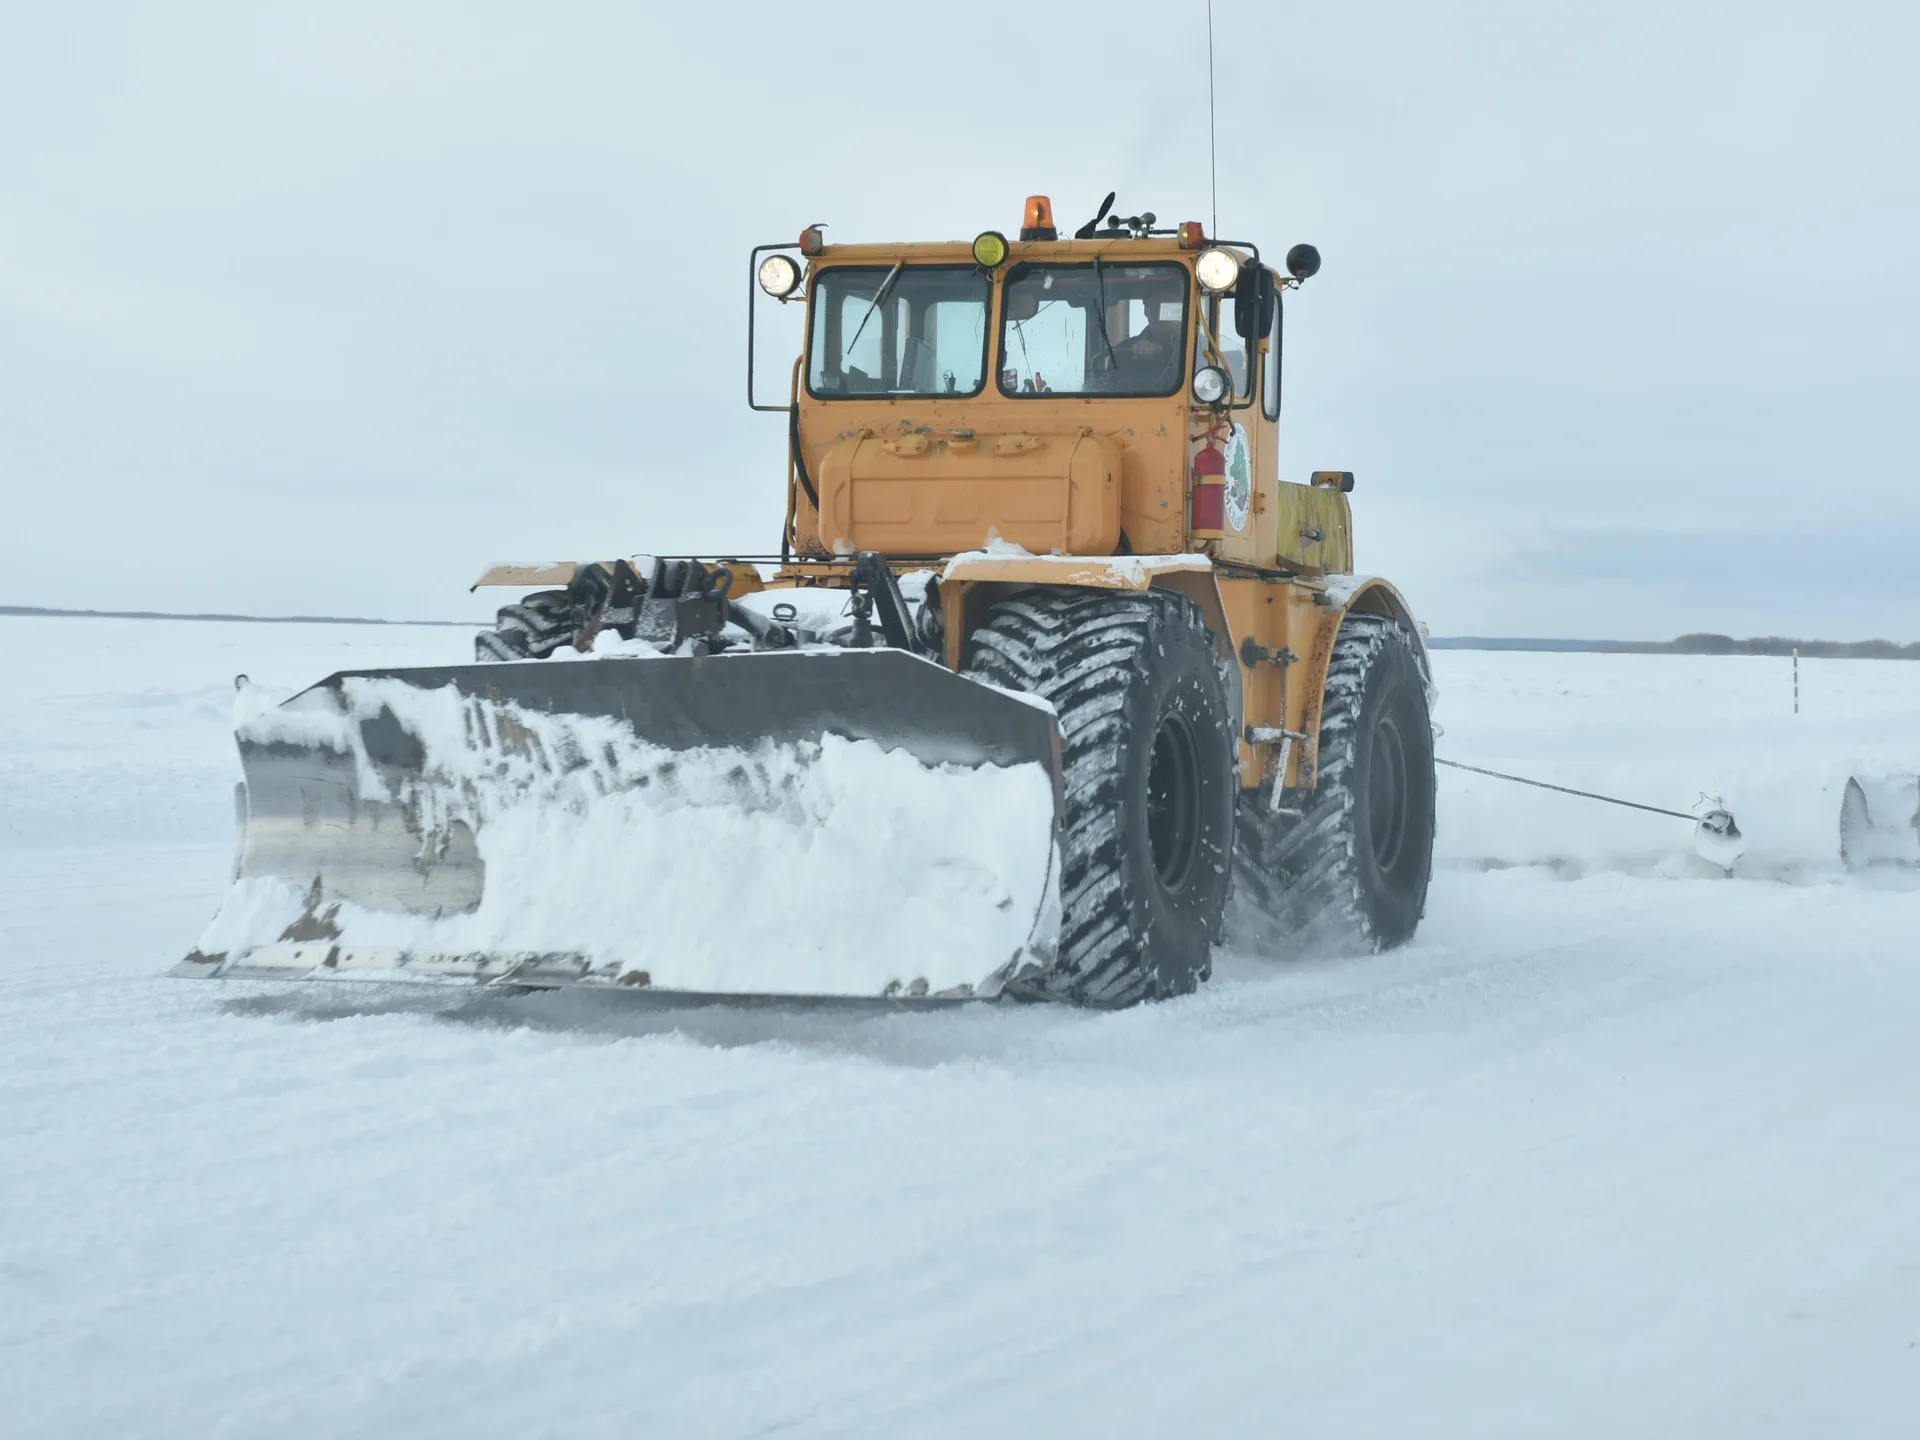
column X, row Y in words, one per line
column 1303, row 262
column 1253, row 299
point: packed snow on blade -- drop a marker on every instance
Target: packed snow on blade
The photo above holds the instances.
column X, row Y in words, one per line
column 423, row 825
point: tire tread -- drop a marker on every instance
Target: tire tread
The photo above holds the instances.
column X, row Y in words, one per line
column 1081, row 649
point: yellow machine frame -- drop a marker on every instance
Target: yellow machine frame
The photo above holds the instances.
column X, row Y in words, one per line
column 930, row 479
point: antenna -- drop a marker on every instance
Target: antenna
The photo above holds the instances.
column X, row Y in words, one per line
column 1213, row 167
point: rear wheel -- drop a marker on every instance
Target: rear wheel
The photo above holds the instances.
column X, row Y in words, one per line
column 1351, row 869
column 1149, row 760
column 531, row 630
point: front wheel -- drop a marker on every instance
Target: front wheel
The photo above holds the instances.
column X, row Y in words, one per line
column 1150, row 775
column 530, row 630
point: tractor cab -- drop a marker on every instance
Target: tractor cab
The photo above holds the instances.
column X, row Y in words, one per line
column 1113, row 392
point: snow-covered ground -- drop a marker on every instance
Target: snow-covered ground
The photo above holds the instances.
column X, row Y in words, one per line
column 1614, row 1148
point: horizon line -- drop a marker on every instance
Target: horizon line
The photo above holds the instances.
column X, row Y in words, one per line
column 1552, row 644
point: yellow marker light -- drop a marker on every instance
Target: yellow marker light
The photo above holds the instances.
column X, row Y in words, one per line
column 990, row 249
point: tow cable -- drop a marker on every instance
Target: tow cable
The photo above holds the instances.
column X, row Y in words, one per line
column 1715, row 836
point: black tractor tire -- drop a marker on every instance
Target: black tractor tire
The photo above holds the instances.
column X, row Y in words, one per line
column 1150, row 757
column 1350, row 870
column 531, row 630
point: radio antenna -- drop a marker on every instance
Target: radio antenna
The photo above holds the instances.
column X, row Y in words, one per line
column 1213, row 165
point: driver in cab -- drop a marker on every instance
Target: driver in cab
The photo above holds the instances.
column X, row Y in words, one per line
column 1145, row 363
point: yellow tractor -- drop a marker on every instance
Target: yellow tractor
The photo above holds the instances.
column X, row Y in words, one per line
column 1034, row 528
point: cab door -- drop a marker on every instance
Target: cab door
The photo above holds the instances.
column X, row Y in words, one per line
column 1248, row 429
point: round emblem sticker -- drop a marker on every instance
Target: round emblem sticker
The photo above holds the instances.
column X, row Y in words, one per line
column 1239, row 479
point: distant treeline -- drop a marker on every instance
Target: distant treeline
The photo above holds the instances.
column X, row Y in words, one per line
column 1774, row 645
column 1693, row 645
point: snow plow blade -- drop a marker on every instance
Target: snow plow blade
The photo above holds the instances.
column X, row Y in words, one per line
column 794, row 823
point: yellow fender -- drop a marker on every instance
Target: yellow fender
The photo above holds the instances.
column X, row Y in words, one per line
column 1344, row 594
column 1191, row 575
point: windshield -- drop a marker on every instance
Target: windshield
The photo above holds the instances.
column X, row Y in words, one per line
column 898, row 330
column 1094, row 330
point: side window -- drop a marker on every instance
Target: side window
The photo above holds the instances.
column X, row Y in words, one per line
column 1270, row 377
column 1233, row 349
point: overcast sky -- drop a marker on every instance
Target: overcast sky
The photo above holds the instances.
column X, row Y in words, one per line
column 322, row 308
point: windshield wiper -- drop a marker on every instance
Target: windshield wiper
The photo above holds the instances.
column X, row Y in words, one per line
column 879, row 299
column 1100, row 279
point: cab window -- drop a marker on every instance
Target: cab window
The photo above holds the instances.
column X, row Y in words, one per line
column 898, row 330
column 1094, row 329
column 1270, row 377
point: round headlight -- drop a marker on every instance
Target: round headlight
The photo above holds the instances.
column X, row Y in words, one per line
column 779, row 276
column 1210, row 385
column 1218, row 270
column 990, row 249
